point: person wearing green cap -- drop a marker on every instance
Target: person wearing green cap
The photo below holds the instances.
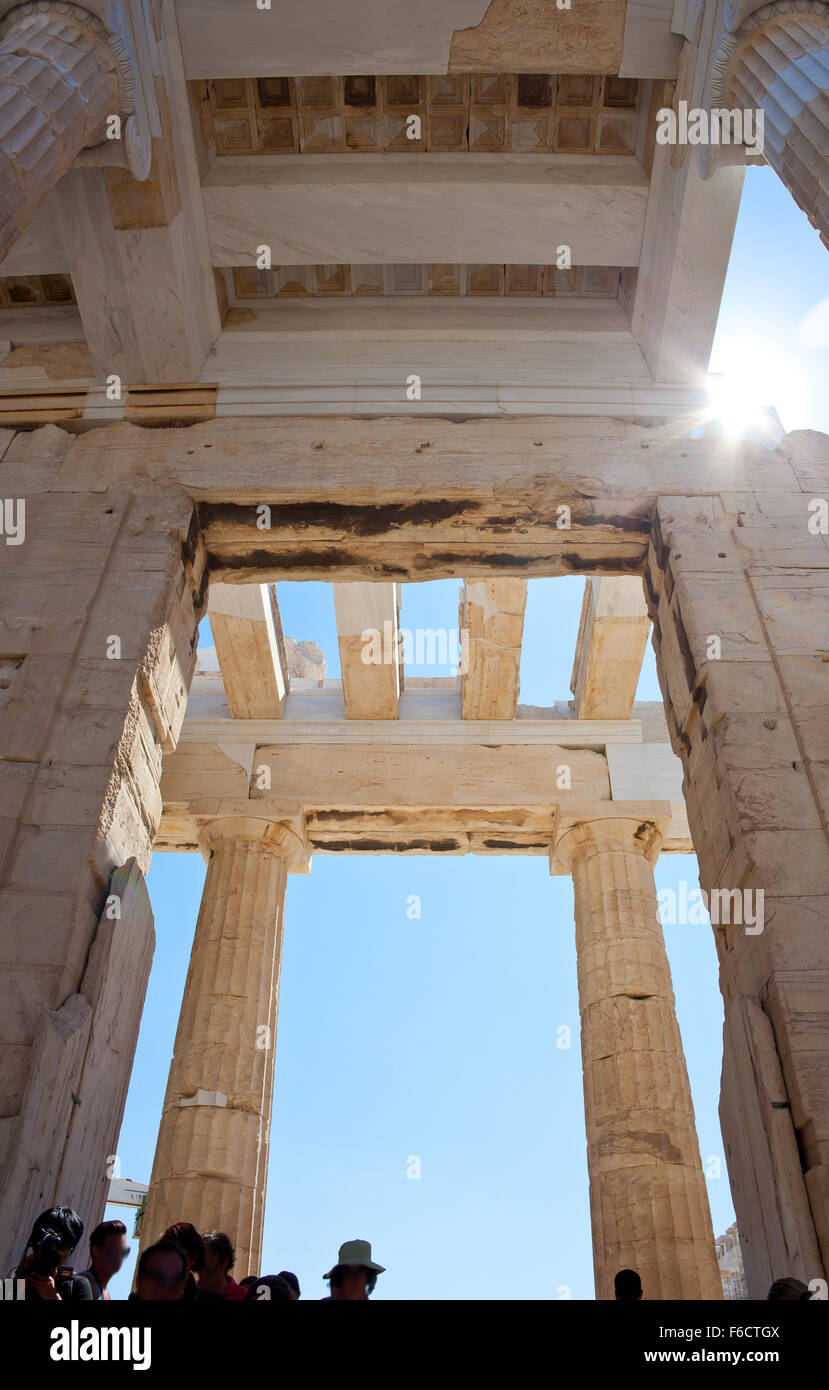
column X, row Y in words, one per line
column 354, row 1275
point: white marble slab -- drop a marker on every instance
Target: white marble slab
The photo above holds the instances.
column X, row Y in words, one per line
column 433, row 208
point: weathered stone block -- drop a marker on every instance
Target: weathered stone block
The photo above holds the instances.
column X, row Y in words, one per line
column 31, row 460
column 782, row 862
column 65, row 850
column 737, row 687
column 795, row 611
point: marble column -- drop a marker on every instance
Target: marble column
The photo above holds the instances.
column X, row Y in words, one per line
column 648, row 1202
column 59, row 82
column 778, row 61
column 211, row 1158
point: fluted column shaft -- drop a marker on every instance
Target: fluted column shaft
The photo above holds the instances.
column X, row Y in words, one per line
column 58, row 84
column 211, row 1158
column 783, row 68
column 648, row 1202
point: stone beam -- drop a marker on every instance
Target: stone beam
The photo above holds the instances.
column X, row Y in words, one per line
column 492, row 626
column 430, row 788
column 318, row 37
column 322, row 36
column 613, row 633
column 387, row 795
column 34, row 401
column 689, row 228
column 354, row 355
column 208, row 722
column 415, row 208
column 425, row 499
column 685, row 252
column 400, row 774
column 244, row 621
column 371, row 687
column 435, row 36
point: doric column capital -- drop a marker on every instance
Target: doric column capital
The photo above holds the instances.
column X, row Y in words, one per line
column 284, row 841
column 634, row 826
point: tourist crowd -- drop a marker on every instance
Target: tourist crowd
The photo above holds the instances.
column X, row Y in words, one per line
column 181, row 1265
column 191, row 1267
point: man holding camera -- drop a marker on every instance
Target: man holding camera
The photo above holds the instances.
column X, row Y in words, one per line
column 54, row 1236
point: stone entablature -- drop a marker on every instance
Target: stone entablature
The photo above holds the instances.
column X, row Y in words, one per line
column 722, row 536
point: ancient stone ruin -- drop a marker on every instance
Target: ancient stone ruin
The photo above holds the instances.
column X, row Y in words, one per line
column 371, row 323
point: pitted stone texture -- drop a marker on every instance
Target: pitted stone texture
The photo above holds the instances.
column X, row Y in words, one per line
column 210, row 1164
column 648, row 1202
column 749, row 725
column 534, row 35
column 59, row 82
column 81, row 737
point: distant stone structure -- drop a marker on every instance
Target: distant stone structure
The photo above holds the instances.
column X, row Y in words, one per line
column 305, row 660
column 730, row 1261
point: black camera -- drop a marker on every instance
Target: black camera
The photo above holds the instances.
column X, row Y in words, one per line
column 46, row 1257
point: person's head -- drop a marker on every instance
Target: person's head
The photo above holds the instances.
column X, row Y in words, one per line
column 354, row 1275
column 627, row 1286
column 185, row 1235
column 291, row 1280
column 162, row 1272
column 219, row 1256
column 788, row 1290
column 108, row 1248
column 351, row 1282
column 269, row 1288
column 54, row 1236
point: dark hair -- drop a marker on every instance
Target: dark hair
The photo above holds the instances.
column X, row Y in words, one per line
column 162, row 1247
column 185, row 1235
column 60, row 1221
column 337, row 1272
column 290, row 1279
column 104, row 1229
column 627, row 1284
column 788, row 1290
column 279, row 1290
column 221, row 1245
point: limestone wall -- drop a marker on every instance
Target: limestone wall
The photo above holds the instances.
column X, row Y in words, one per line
column 748, row 716
column 97, row 642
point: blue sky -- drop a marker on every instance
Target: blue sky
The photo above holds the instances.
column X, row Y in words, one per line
column 437, row 1038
